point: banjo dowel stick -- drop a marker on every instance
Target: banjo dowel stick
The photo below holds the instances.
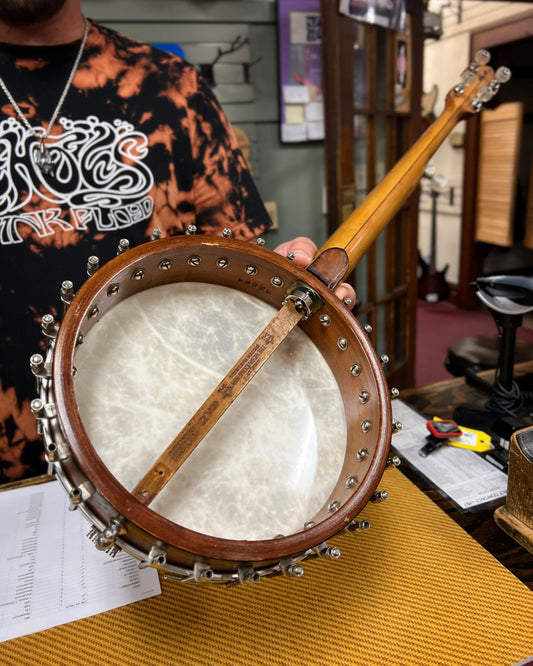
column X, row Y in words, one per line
column 217, row 403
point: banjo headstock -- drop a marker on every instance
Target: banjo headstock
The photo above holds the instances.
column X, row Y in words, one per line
column 478, row 85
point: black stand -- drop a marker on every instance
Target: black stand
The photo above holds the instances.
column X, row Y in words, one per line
column 506, row 396
column 510, row 403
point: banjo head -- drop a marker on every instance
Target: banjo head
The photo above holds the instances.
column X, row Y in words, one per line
column 289, row 465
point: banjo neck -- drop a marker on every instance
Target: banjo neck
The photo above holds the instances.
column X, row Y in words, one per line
column 358, row 232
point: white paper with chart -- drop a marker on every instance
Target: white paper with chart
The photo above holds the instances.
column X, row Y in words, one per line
column 50, row 572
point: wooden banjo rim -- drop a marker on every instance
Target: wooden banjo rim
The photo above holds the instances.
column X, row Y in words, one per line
column 119, row 498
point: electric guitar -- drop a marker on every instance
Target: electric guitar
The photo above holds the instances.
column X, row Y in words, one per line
column 432, row 285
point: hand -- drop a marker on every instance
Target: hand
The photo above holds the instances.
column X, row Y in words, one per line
column 304, row 251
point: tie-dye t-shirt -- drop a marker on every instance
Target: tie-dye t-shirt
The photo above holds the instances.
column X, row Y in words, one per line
column 140, row 143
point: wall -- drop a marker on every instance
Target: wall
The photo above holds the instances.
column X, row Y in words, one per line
column 444, row 59
column 292, row 176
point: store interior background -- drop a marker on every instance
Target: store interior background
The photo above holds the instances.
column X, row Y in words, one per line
column 291, row 177
column 459, row 20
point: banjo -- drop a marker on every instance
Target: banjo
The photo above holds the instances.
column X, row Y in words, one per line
column 211, row 408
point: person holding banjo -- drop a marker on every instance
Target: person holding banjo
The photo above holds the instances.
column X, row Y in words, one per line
column 101, row 138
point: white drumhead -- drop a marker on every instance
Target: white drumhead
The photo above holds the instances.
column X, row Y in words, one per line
column 268, row 465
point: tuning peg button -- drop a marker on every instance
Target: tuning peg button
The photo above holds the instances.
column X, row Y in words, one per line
column 485, row 94
column 482, row 57
column 503, row 74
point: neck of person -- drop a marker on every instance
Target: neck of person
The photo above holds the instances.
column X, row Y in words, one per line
column 66, row 26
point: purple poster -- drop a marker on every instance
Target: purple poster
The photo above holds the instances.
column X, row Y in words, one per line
column 300, row 44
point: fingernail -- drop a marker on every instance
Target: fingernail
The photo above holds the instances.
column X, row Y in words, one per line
column 298, row 254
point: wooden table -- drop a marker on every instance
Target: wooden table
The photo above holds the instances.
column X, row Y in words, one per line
column 440, row 399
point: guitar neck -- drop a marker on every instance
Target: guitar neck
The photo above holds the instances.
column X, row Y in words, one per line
column 362, row 227
column 433, row 249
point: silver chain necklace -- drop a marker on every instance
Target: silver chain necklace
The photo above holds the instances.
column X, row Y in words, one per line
column 41, row 154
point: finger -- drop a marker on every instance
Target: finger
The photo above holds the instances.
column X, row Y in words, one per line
column 346, row 293
column 302, row 249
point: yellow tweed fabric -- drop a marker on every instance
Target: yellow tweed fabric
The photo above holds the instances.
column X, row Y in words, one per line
column 413, row 590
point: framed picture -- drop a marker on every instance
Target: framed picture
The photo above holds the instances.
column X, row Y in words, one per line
column 402, row 72
column 390, row 14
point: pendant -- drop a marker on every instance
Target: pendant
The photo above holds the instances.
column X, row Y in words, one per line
column 43, row 159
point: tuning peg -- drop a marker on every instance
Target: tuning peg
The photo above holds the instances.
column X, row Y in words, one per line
column 503, row 74
column 486, row 93
column 482, row 57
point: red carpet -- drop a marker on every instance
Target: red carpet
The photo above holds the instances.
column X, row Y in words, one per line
column 439, row 325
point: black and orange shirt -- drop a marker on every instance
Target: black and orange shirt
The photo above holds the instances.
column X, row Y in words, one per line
column 140, row 143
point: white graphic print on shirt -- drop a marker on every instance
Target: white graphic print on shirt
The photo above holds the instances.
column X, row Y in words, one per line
column 98, row 178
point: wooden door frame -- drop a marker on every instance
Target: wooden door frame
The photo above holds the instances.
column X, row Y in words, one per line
column 338, row 116
column 337, row 53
